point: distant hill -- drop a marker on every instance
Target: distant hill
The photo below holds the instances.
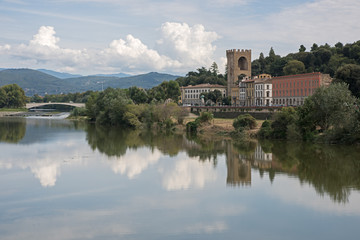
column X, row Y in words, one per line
column 37, row 82
column 59, row 74
column 119, row 75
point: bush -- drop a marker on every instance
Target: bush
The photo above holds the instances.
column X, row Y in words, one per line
column 244, row 121
column 77, row 112
column 205, row 117
column 191, row 127
column 265, row 130
column 131, row 120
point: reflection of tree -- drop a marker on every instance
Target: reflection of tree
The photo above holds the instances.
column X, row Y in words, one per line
column 12, row 130
column 332, row 170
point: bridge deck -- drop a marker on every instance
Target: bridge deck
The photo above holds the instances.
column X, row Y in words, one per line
column 35, row 105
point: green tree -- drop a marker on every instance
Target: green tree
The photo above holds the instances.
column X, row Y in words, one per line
column 350, row 74
column 244, row 121
column 282, row 121
column 15, row 96
column 331, row 107
column 302, row 48
column 294, row 67
column 138, row 95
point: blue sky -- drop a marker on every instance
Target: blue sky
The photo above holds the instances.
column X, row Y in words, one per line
column 111, row 36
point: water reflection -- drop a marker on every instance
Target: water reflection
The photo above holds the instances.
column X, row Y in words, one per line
column 47, row 146
column 12, row 131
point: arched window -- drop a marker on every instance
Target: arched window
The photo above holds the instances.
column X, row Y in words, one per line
column 243, row 63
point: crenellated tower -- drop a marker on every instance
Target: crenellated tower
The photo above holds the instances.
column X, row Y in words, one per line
column 238, row 63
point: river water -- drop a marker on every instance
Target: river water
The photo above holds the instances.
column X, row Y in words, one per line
column 66, row 180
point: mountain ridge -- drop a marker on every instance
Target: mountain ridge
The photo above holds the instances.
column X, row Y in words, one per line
column 41, row 83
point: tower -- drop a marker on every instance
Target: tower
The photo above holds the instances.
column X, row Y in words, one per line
column 238, row 63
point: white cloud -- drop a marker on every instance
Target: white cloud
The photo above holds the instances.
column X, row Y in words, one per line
column 201, row 228
column 192, row 46
column 184, row 47
column 188, row 173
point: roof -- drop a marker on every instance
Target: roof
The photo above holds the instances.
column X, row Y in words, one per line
column 314, row 74
column 205, row 85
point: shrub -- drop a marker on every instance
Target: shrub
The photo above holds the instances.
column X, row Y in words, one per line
column 265, row 130
column 131, row 120
column 205, row 117
column 191, row 127
column 244, row 121
column 76, row 112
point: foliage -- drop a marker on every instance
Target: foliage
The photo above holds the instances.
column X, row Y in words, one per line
column 322, row 58
column 70, row 97
column 77, row 112
column 294, row 67
column 244, row 121
column 166, row 90
column 265, row 131
column 203, row 75
column 138, row 95
column 283, row 119
column 205, row 117
column 350, row 74
column 12, row 96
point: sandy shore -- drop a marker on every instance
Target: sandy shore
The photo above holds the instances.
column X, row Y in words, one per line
column 6, row 114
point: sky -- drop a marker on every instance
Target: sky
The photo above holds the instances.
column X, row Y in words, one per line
column 139, row 36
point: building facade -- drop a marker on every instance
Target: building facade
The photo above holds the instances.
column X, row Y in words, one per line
column 191, row 95
column 263, row 92
column 250, row 92
column 238, row 64
column 293, row 89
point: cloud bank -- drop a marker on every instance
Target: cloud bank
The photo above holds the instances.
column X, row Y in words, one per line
column 180, row 48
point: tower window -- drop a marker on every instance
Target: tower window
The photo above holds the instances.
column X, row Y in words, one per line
column 243, row 63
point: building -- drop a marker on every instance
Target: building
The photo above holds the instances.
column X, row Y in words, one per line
column 293, row 89
column 250, row 92
column 242, row 93
column 191, row 95
column 238, row 65
column 263, row 92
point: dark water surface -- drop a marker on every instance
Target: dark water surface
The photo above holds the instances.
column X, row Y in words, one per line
column 66, row 180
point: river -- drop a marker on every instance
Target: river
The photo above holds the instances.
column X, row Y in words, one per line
column 68, row 180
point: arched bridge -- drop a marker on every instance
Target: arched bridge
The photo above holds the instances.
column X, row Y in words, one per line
column 38, row 105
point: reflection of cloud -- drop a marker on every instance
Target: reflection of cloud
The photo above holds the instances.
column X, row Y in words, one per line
column 69, row 225
column 47, row 174
column 189, row 173
column 44, row 164
column 292, row 191
column 135, row 161
column 215, row 227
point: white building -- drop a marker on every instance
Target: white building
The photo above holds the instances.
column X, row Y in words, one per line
column 191, row 95
column 263, row 92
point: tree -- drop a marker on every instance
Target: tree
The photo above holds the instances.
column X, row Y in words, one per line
column 302, row 48
column 244, row 121
column 350, row 74
column 294, row 67
column 12, row 96
column 138, row 95
column 283, row 120
column 332, row 106
column 214, row 69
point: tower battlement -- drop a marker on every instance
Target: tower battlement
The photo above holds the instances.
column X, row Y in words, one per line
column 238, row 51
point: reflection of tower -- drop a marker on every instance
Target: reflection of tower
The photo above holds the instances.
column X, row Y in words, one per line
column 262, row 160
column 238, row 170
column 238, row 63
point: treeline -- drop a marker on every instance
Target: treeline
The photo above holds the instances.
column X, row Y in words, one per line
column 323, row 58
column 115, row 107
column 162, row 92
column 203, row 75
column 330, row 115
column 12, row 96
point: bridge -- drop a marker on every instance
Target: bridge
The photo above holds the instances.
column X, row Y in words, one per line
column 39, row 105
